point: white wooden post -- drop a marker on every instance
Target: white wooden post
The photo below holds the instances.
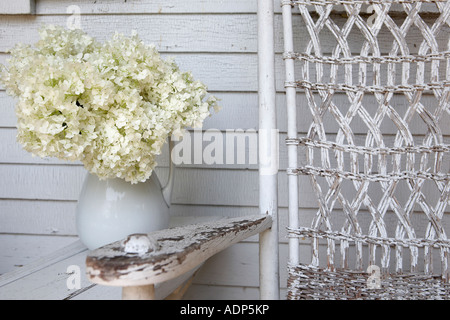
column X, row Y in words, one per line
column 268, row 152
column 292, row 130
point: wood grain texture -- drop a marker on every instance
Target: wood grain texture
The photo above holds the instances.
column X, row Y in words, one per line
column 17, row 7
column 108, row 7
column 179, row 250
column 64, row 183
column 216, row 292
column 231, row 72
column 37, row 217
column 189, row 32
column 47, row 278
column 19, row 250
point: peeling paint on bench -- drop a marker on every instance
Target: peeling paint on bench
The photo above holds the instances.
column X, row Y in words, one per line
column 178, row 250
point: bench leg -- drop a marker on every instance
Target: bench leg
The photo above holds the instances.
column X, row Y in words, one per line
column 139, row 292
column 178, row 293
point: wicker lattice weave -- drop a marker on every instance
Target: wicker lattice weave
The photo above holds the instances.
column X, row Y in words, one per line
column 375, row 76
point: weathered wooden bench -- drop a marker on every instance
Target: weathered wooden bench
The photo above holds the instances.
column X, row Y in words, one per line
column 142, row 260
column 160, row 265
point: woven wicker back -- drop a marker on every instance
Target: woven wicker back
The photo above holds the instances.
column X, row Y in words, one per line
column 370, row 84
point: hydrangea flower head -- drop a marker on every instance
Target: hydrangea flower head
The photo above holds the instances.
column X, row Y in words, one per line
column 110, row 105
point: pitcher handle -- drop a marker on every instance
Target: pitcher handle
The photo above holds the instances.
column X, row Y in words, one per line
column 167, row 190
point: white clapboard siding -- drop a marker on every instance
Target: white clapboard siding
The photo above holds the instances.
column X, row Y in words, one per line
column 220, row 72
column 217, row 41
column 231, row 186
column 17, row 7
column 162, row 7
column 58, row 218
column 107, row 7
column 188, row 32
column 215, row 292
column 231, row 72
column 240, row 109
column 21, row 216
column 235, row 149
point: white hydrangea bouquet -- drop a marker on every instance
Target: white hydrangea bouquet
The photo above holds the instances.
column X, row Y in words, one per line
column 110, row 105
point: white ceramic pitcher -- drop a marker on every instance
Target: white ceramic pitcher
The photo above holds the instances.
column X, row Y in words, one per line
column 110, row 210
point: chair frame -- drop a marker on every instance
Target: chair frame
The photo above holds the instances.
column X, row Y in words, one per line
column 330, row 282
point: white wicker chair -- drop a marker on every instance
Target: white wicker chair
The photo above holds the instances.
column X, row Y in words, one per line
column 374, row 77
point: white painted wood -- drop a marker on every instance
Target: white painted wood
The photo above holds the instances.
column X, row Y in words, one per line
column 235, row 267
column 17, row 7
column 48, row 283
column 17, row 251
column 43, row 278
column 215, row 292
column 19, row 218
column 237, row 74
column 237, row 262
column 107, row 7
column 47, row 279
column 189, row 32
column 148, row 7
column 37, row 217
column 64, row 183
column 240, row 111
column 236, row 70
column 99, row 293
column 291, row 104
column 177, row 251
column 268, row 152
column 12, row 153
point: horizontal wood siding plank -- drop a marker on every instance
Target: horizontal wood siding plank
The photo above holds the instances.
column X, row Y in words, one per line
column 210, row 292
column 193, row 32
column 199, row 149
column 236, row 72
column 58, row 217
column 17, row 7
column 219, row 72
column 38, row 217
column 108, row 7
column 240, row 111
column 238, row 266
column 212, row 186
